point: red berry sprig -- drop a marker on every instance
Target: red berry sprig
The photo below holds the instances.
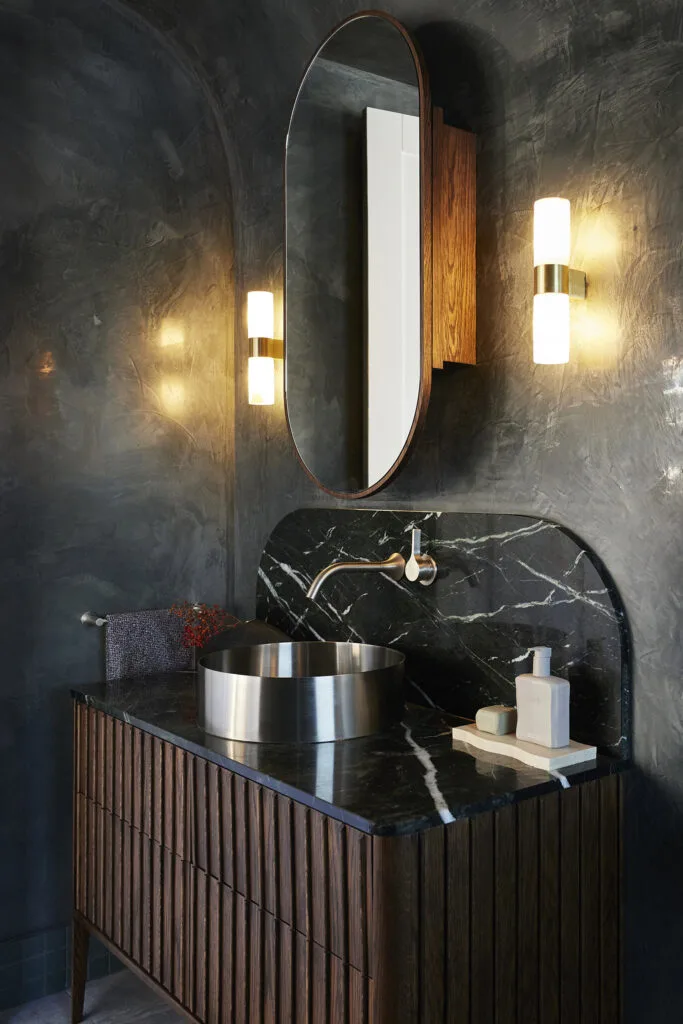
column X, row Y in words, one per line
column 202, row 621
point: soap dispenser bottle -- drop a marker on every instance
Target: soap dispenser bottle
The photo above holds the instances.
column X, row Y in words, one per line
column 542, row 704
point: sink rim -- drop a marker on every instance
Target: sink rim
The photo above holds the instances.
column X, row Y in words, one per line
column 359, row 693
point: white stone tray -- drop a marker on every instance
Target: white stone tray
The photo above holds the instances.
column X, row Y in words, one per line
column 532, row 754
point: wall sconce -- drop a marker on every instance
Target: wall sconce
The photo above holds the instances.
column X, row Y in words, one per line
column 554, row 281
column 264, row 349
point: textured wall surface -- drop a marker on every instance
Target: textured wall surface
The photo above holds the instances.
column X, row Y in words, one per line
column 115, row 321
column 579, row 98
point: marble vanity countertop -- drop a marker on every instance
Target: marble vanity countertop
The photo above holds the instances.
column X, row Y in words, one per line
column 395, row 783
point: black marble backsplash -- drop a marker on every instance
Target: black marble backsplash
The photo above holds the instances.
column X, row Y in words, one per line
column 506, row 583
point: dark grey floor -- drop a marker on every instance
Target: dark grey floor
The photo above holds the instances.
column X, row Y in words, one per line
column 114, row 1000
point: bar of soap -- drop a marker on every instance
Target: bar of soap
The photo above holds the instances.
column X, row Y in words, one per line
column 497, row 720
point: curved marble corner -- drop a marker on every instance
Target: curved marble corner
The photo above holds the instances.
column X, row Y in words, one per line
column 506, row 583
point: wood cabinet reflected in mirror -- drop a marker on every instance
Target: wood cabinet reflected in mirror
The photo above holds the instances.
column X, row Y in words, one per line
column 379, row 275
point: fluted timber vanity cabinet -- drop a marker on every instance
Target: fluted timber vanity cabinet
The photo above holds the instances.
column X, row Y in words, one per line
column 244, row 906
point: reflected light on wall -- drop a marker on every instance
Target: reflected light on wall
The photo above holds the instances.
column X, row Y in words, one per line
column 173, row 395
column 264, row 348
column 46, row 365
column 171, row 333
column 596, row 333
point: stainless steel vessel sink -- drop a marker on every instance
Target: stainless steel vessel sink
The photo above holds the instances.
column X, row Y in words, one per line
column 300, row 692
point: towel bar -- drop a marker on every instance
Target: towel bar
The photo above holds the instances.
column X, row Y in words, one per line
column 90, row 619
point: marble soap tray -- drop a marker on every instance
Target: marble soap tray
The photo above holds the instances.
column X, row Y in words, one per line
column 532, row 754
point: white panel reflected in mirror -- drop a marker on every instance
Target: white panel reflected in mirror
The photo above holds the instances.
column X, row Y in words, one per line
column 393, row 284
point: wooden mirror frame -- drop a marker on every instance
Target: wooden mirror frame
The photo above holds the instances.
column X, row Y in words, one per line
column 447, row 232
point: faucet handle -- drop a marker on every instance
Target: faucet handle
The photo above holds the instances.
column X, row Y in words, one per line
column 420, row 568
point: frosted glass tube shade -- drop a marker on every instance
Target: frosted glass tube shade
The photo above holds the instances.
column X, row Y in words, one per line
column 552, row 231
column 551, row 328
column 260, row 315
column 261, row 380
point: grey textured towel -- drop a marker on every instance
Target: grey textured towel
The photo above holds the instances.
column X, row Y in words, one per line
column 142, row 643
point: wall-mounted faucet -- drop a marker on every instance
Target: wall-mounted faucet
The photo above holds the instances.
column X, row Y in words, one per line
column 419, row 568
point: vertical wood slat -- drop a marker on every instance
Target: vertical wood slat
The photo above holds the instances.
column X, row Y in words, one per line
column 458, row 864
column 100, row 782
column 147, row 790
column 103, row 861
column 188, row 931
column 337, row 875
column 482, row 920
column 320, row 885
column 286, row 976
column 255, row 843
column 214, row 995
column 227, row 964
column 549, row 908
column 338, row 991
column 127, row 774
column 610, row 868
column 432, row 925
column 137, row 780
column 157, row 790
column 271, row 853
column 136, row 895
column 227, row 828
column 145, row 905
column 395, row 940
column 110, row 759
column 200, row 847
column 117, row 753
column 181, row 790
column 157, row 894
column 285, row 842
column 240, row 836
column 356, row 887
column 126, row 888
column 214, row 820
column 180, row 929
column 241, row 962
column 320, row 983
column 117, row 897
column 590, row 903
column 256, row 964
column 200, row 944
column 359, row 997
column 169, row 800
column 527, row 910
column 570, row 895
column 168, row 907
column 505, row 929
column 303, row 989
column 302, row 868
column 270, row 969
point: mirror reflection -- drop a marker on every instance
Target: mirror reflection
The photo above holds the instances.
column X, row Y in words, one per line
column 353, row 327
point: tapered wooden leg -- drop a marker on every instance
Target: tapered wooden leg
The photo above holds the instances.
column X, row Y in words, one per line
column 80, row 939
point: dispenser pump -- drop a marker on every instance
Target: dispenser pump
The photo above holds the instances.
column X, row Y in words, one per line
column 541, row 661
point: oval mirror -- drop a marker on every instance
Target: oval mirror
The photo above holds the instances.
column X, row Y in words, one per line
column 357, row 377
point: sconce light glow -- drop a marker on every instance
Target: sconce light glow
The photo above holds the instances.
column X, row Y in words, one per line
column 261, row 380
column 552, row 239
column 260, row 315
column 263, row 347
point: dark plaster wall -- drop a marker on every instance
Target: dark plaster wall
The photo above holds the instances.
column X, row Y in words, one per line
column 115, row 240
column 580, row 98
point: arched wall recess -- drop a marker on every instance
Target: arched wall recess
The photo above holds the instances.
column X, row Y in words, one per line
column 380, row 225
